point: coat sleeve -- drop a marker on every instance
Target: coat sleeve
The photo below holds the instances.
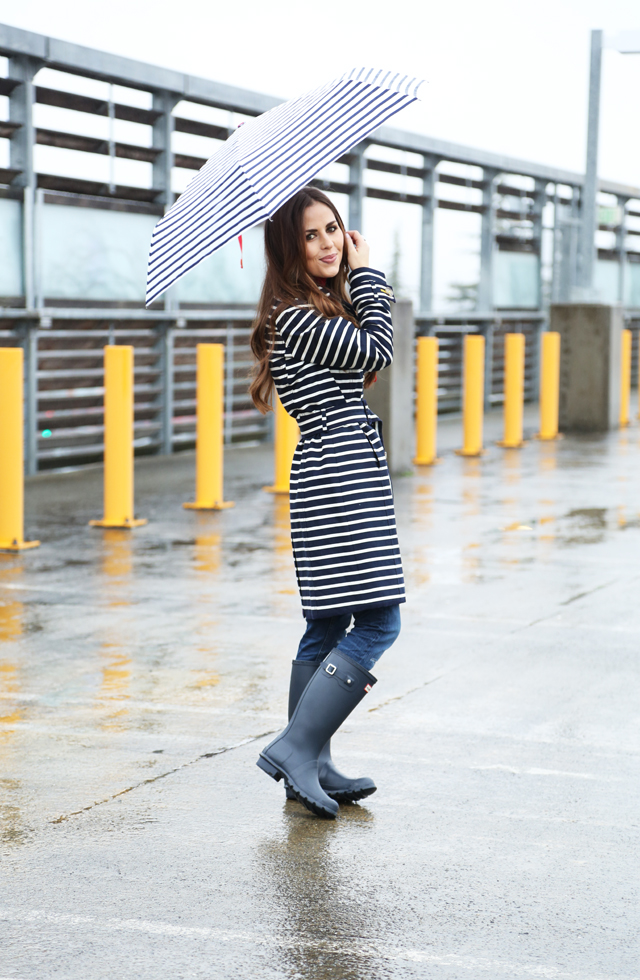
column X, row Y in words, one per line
column 336, row 342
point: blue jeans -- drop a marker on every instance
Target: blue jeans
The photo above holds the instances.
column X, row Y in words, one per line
column 373, row 632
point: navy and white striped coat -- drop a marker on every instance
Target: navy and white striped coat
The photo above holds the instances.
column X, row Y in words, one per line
column 343, row 527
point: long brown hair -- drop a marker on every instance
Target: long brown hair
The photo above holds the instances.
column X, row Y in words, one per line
column 287, row 283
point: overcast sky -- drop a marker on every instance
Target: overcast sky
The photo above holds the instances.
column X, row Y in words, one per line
column 505, row 75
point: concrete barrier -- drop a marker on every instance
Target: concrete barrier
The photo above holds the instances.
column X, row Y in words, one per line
column 590, row 365
column 391, row 397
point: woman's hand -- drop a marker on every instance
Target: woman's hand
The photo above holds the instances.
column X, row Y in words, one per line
column 357, row 250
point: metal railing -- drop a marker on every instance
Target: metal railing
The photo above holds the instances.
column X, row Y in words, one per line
column 64, row 375
column 64, row 382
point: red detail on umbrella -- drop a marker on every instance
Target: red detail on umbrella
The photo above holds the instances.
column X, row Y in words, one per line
column 241, row 256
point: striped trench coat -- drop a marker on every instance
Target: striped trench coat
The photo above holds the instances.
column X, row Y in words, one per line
column 343, row 528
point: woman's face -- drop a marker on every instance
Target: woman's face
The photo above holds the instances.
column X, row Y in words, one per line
column 324, row 241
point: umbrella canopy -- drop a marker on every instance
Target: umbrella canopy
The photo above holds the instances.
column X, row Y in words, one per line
column 265, row 162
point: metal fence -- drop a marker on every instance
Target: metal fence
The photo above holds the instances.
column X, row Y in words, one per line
column 64, row 377
column 64, row 384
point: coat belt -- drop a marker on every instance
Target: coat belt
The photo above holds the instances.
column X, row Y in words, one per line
column 336, row 418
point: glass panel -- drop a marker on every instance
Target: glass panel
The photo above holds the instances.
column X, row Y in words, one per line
column 10, row 248
column 93, row 254
column 515, row 280
column 606, row 280
column 632, row 279
column 220, row 279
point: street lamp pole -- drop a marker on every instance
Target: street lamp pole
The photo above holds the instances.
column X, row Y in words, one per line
column 590, row 186
column 627, row 42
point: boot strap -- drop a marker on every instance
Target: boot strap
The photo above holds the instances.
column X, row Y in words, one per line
column 345, row 678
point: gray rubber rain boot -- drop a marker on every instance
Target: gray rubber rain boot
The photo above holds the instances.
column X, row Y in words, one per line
column 336, row 785
column 333, row 692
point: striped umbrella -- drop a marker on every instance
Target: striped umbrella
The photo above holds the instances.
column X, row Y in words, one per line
column 265, row 162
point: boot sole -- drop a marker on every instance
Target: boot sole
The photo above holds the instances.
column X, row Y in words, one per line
column 347, row 797
column 340, row 797
column 277, row 774
column 312, row 805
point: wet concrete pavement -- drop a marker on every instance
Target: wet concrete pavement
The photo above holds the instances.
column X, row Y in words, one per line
column 141, row 672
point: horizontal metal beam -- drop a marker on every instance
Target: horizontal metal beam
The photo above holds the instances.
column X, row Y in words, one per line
column 401, row 139
column 96, row 107
column 177, row 317
column 92, row 63
column 91, row 144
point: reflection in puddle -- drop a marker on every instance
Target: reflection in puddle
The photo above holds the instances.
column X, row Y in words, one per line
column 418, row 557
column 315, row 897
column 116, row 673
column 471, row 556
column 512, row 466
column 10, row 713
column 586, row 526
column 11, row 610
column 12, row 626
column 207, row 561
column 13, row 710
column 548, row 456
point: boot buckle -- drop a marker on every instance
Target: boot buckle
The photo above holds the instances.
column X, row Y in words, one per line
column 330, row 669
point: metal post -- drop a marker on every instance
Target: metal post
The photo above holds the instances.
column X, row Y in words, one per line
column 487, row 241
column 625, row 378
column 11, row 449
column 165, row 342
column 24, row 69
column 118, row 439
column 356, row 180
column 621, row 248
column 426, row 249
column 426, row 401
column 568, row 227
column 31, row 398
column 539, row 201
column 514, row 347
column 549, row 385
column 164, row 103
column 487, row 333
column 38, row 256
column 472, row 400
column 573, row 242
column 590, row 187
column 209, row 429
column 556, row 251
column 229, row 384
column 112, row 143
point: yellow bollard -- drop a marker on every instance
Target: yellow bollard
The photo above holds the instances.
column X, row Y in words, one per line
column 12, row 451
column 426, row 401
column 209, row 431
column 513, row 390
column 625, row 379
column 286, row 440
column 549, row 386
column 118, row 439
column 473, row 396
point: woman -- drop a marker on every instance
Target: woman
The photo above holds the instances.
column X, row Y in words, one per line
column 320, row 350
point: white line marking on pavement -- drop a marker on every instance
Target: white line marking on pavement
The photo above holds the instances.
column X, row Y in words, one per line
column 544, row 772
column 362, row 948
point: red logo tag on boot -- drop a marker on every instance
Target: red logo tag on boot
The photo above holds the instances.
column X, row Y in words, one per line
column 367, row 688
